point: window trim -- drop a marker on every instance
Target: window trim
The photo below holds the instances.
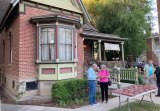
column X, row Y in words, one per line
column 31, row 89
column 10, row 37
column 13, row 84
column 39, row 42
column 72, row 29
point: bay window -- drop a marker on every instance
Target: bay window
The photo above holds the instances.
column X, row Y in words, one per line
column 56, row 41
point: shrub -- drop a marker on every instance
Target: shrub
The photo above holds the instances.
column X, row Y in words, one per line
column 70, row 91
column 140, row 79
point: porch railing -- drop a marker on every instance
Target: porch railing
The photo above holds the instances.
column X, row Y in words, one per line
column 120, row 75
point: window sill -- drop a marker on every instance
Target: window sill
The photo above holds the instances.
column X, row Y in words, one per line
column 53, row 62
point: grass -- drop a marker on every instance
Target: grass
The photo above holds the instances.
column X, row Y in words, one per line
column 135, row 106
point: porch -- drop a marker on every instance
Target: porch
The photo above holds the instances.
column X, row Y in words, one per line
column 107, row 49
column 103, row 48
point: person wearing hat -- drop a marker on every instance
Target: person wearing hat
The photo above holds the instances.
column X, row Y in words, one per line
column 157, row 78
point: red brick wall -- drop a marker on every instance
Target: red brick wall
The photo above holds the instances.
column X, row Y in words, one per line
column 10, row 68
column 27, row 40
column 150, row 53
column 80, row 54
column 153, row 57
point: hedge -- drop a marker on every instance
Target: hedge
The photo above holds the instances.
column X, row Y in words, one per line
column 70, row 91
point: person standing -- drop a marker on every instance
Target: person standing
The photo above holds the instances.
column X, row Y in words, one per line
column 148, row 73
column 157, row 77
column 92, row 77
column 104, row 78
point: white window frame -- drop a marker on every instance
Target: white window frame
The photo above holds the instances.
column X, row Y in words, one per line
column 39, row 42
column 67, row 27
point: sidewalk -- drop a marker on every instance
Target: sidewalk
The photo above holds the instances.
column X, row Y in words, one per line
column 113, row 103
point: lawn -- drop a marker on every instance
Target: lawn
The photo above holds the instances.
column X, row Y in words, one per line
column 140, row 107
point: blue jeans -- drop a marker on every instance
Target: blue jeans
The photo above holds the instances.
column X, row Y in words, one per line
column 92, row 92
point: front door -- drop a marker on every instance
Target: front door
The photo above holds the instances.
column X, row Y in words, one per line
column 88, row 50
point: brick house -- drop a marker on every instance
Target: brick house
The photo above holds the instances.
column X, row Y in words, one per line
column 153, row 52
column 43, row 41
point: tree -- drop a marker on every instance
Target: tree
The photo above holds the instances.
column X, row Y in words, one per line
column 126, row 18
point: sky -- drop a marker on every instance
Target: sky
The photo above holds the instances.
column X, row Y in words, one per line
column 155, row 27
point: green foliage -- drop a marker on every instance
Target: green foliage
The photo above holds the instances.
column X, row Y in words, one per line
column 126, row 18
column 70, row 91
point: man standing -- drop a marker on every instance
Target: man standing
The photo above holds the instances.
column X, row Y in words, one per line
column 148, row 73
column 157, row 77
column 91, row 74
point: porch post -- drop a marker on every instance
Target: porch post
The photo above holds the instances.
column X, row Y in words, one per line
column 122, row 48
column 100, row 56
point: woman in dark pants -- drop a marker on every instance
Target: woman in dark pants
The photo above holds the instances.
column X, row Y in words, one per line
column 104, row 78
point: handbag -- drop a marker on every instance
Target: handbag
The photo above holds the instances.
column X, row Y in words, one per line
column 109, row 82
column 98, row 82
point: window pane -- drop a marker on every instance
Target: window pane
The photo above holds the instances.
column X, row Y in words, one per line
column 52, row 48
column 62, row 35
column 44, row 29
column 44, row 36
column 45, row 52
column 51, row 35
column 68, row 52
column 62, row 52
column 68, row 36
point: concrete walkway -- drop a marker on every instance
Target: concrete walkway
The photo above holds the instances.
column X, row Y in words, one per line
column 113, row 103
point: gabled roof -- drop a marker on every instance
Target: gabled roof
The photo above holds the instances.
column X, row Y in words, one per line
column 65, row 4
column 89, row 32
column 89, row 28
column 72, row 5
column 4, row 6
